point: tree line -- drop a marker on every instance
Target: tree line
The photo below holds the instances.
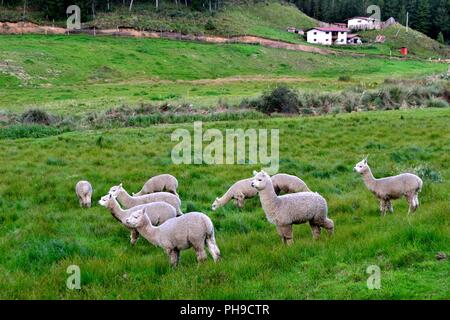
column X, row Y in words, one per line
column 428, row 16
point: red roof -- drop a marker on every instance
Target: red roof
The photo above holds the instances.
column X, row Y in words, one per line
column 349, row 36
column 334, row 29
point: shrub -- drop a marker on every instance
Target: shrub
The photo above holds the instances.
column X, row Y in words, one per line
column 437, row 103
column 281, row 100
column 344, row 78
column 36, row 116
column 427, row 173
column 210, row 25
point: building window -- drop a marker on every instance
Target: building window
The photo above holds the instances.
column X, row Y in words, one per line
column 315, row 40
column 327, row 32
column 315, row 32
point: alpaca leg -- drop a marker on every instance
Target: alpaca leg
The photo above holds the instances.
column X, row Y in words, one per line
column 410, row 199
column 389, row 206
column 240, row 200
column 134, row 237
column 416, row 200
column 286, row 234
column 174, row 257
column 383, row 207
column 201, row 254
column 315, row 229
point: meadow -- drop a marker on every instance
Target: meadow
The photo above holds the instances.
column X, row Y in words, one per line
column 81, row 74
column 43, row 230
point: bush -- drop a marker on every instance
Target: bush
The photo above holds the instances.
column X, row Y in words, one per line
column 344, row 78
column 36, row 116
column 427, row 173
column 210, row 25
column 281, row 100
column 437, row 103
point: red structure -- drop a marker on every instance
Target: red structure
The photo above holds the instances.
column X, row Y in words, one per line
column 404, row 51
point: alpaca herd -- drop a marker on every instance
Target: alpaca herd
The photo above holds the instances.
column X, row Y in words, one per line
column 155, row 211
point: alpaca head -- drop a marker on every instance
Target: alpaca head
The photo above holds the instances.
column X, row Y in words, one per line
column 136, row 219
column 261, row 180
column 105, row 200
column 115, row 190
column 215, row 205
column 361, row 166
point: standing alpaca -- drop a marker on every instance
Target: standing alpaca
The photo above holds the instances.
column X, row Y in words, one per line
column 391, row 188
column 158, row 212
column 128, row 201
column 193, row 229
column 163, row 182
column 83, row 190
column 292, row 208
column 239, row 191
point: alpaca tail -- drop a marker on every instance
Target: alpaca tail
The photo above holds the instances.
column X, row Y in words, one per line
column 179, row 212
column 211, row 241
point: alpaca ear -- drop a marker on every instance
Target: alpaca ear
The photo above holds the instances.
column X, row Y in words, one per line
column 255, row 172
column 120, row 185
column 365, row 159
column 110, row 195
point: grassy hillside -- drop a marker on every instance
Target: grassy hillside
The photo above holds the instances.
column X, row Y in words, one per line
column 78, row 74
column 417, row 43
column 43, row 230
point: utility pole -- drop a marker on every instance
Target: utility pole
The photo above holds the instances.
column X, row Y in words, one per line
column 407, row 21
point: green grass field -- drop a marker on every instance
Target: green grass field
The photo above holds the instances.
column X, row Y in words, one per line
column 79, row 74
column 43, row 230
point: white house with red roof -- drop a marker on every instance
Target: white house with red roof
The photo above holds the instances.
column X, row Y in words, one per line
column 327, row 35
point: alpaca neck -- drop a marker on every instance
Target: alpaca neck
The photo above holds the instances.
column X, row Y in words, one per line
column 369, row 179
column 125, row 199
column 226, row 197
column 116, row 210
column 269, row 199
column 151, row 233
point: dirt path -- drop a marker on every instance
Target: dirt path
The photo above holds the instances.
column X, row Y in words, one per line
column 31, row 28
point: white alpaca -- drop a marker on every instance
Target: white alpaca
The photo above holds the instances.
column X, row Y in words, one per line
column 84, row 190
column 128, row 201
column 162, row 182
column 287, row 183
column 390, row 188
column 193, row 229
column 157, row 212
column 292, row 208
column 239, row 191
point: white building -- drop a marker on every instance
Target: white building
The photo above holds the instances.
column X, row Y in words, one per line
column 327, row 35
column 363, row 23
column 353, row 39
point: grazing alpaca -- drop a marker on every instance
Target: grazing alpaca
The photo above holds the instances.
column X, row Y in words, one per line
column 163, row 182
column 193, row 229
column 390, row 188
column 83, row 190
column 239, row 191
column 292, row 208
column 287, row 183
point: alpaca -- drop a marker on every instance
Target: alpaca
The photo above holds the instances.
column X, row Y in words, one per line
column 390, row 188
column 84, row 190
column 163, row 182
column 287, row 183
column 192, row 229
column 128, row 201
column 292, row 208
column 157, row 212
column 239, row 191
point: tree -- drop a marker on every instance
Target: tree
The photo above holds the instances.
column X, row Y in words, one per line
column 422, row 21
column 440, row 38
